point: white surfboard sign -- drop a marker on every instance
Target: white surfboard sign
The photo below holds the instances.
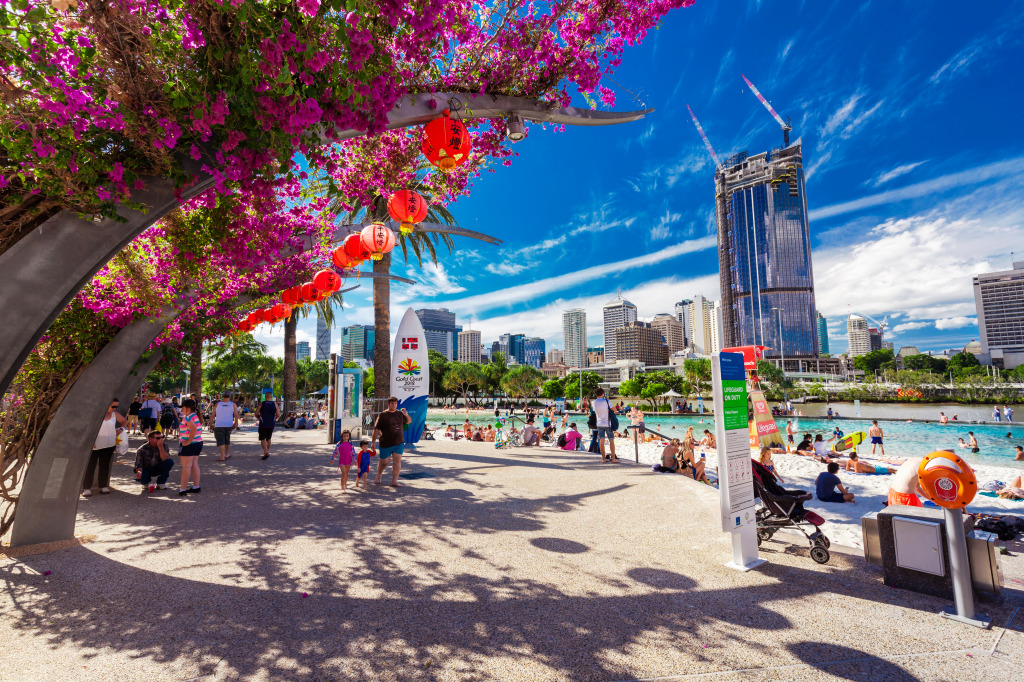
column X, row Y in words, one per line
column 410, row 372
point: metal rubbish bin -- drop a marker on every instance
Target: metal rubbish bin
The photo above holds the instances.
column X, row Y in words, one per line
column 910, row 544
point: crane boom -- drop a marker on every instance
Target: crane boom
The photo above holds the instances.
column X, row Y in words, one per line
column 782, row 124
column 704, row 137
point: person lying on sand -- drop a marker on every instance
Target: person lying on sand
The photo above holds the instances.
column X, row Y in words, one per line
column 1013, row 491
column 859, row 467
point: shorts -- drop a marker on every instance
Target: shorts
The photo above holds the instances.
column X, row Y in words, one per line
column 148, row 424
column 364, row 463
column 191, row 450
column 833, row 497
column 975, row 449
column 879, row 469
column 790, row 437
column 222, row 434
column 386, row 452
column 265, row 433
column 606, row 432
column 906, row 499
column 876, row 440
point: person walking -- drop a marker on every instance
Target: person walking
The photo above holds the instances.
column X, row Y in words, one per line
column 266, row 420
column 149, row 413
column 605, row 430
column 389, row 429
column 133, row 415
column 996, row 415
column 225, row 419
column 191, row 442
column 152, row 460
column 103, row 450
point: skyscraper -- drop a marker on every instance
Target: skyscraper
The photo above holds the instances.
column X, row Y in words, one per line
column 514, row 347
column 764, row 252
column 682, row 311
column 705, row 322
column 574, row 331
column 999, row 297
column 357, row 343
column 618, row 312
column 640, row 341
column 323, row 339
column 440, row 331
column 671, row 329
column 858, row 336
column 555, row 356
column 822, row 335
column 533, row 352
column 301, row 350
column 469, row 346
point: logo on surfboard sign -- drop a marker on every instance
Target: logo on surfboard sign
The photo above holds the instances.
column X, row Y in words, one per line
column 409, row 367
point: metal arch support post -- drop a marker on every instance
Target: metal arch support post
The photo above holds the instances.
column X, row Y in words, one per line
column 136, row 377
column 46, row 268
column 48, row 502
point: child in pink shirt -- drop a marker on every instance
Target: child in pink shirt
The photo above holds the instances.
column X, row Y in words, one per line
column 344, row 453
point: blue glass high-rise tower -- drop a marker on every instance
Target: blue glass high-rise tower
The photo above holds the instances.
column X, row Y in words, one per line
column 764, row 253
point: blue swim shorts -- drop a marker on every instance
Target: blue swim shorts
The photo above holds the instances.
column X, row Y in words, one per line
column 606, row 433
column 385, row 453
column 876, row 440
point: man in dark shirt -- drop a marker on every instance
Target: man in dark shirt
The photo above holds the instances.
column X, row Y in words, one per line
column 826, row 484
column 133, row 415
column 152, row 460
column 266, row 420
column 389, row 429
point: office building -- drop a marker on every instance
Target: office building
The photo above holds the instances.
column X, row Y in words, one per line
column 495, row 348
column 357, row 343
column 857, row 335
column 682, row 311
column 640, row 341
column 301, row 350
column 595, row 355
column 999, row 297
column 618, row 313
column 705, row 324
column 671, row 329
column 822, row 335
column 440, row 331
column 555, row 356
column 875, row 338
column 717, row 331
column 514, row 347
column 764, row 252
column 469, row 346
column 574, row 332
column 533, row 352
column 323, row 339
column 485, row 354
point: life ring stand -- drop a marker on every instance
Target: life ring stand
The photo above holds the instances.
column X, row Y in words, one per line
column 947, row 480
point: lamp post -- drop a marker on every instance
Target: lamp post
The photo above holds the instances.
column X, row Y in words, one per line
column 782, row 345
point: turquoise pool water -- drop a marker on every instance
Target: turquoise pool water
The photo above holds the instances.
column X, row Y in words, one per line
column 902, row 439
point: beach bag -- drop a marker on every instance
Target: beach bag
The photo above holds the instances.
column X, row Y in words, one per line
column 121, row 444
column 613, row 421
column 561, row 441
column 592, row 421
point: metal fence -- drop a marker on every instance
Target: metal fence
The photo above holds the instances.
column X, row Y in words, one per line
column 371, row 408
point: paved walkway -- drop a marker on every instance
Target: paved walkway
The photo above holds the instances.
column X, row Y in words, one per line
column 496, row 565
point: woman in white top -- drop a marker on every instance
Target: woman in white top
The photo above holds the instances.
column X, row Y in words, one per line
column 103, row 450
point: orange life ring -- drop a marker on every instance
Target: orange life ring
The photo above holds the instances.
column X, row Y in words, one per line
column 947, row 480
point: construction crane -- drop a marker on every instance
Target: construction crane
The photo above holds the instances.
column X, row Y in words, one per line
column 718, row 164
column 783, row 124
column 880, row 325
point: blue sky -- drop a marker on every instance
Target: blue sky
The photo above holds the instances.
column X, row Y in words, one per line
column 910, row 115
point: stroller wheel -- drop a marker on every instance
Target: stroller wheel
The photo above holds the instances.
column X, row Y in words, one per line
column 820, row 554
column 764, row 534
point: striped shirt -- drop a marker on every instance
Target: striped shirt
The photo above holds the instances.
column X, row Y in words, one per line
column 185, row 421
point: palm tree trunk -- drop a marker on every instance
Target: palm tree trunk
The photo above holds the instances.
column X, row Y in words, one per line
column 382, row 329
column 195, row 375
column 290, row 372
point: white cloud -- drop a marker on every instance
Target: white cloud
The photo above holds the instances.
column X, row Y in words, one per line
column 968, row 177
column 837, row 119
column 662, row 229
column 894, row 173
column 440, row 282
column 955, row 322
column 906, row 327
column 958, row 64
column 532, row 290
column 505, row 268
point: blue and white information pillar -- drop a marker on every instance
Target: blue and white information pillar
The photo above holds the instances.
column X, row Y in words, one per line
column 735, row 478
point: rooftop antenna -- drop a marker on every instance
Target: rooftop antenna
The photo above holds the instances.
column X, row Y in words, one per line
column 711, row 150
column 782, row 124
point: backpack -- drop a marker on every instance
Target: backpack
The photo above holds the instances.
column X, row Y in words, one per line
column 561, row 441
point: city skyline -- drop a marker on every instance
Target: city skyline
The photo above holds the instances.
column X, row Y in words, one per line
column 895, row 200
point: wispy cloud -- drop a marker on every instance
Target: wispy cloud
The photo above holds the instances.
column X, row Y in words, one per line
column 725, row 73
column 893, row 173
column 662, row 229
column 958, row 64
column 968, row 177
column 837, row 119
column 505, row 268
column 439, row 281
column 906, row 327
column 532, row 290
column 955, row 322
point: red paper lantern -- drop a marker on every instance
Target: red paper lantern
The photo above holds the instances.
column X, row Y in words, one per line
column 327, row 281
column 378, row 239
column 308, row 293
column 354, row 248
column 408, row 208
column 286, row 297
column 446, row 142
column 341, row 260
column 281, row 311
column 252, row 319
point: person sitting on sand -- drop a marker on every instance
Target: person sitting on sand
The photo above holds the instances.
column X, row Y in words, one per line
column 467, row 429
column 689, row 465
column 765, row 459
column 669, row 463
column 572, row 437
column 805, row 447
column 827, row 482
column 531, row 434
column 708, row 441
column 905, row 486
column 820, row 448
column 859, row 467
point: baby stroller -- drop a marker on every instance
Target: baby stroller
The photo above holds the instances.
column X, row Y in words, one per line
column 781, row 508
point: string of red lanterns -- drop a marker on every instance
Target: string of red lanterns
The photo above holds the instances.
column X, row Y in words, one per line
column 446, row 142
column 407, row 208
